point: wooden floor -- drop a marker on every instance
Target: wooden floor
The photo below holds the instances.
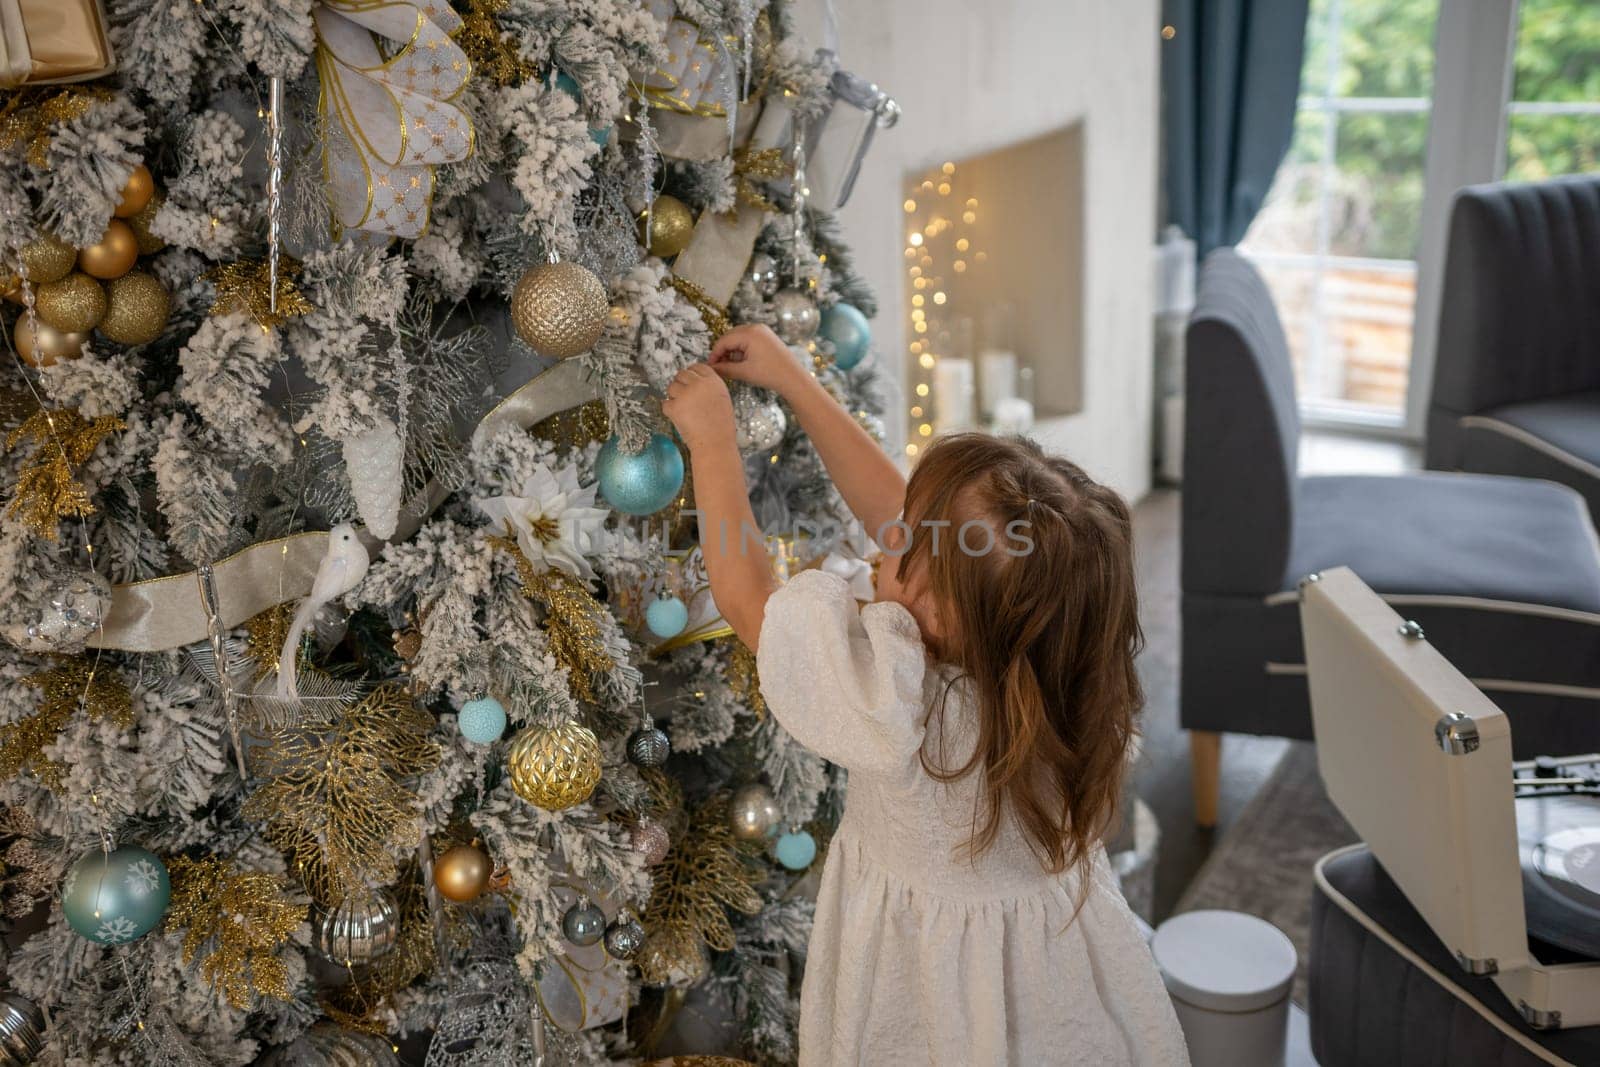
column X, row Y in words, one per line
column 1162, row 776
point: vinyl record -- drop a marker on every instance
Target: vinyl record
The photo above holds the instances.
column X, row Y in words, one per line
column 1560, row 849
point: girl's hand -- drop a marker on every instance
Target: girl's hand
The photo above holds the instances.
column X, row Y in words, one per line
column 698, row 405
column 756, row 355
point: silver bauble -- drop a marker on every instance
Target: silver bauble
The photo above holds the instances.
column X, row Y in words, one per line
column 21, row 1027
column 360, row 929
column 763, row 273
column 65, row 617
column 759, row 423
column 797, row 314
column 624, row 938
column 753, row 812
column 649, row 746
column 650, row 839
column 329, row 1045
column 583, row 924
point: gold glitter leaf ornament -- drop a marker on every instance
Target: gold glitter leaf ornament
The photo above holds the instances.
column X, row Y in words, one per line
column 706, row 872
column 47, row 490
column 245, row 286
column 75, row 682
column 335, row 798
column 493, row 52
column 554, row 767
column 571, row 619
column 237, row 920
column 29, row 117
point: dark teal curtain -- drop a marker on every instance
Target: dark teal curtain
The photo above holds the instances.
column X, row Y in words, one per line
column 1230, row 77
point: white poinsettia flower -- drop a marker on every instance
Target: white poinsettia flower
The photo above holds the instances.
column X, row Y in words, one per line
column 554, row 521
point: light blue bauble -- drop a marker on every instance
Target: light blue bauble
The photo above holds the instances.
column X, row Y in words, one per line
column 849, row 332
column 666, row 616
column 567, row 84
column 642, row 484
column 116, row 898
column 796, row 850
column 482, row 721
column 600, row 135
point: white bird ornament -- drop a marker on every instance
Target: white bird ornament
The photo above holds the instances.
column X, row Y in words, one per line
column 341, row 570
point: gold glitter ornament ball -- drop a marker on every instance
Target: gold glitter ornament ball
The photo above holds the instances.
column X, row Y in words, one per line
column 462, row 873
column 137, row 193
column 149, row 243
column 560, row 309
column 48, row 259
column 113, row 255
column 554, row 767
column 137, row 306
column 72, row 305
column 670, row 227
column 42, row 345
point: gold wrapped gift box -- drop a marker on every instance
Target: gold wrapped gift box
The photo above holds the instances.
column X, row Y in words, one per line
column 45, row 42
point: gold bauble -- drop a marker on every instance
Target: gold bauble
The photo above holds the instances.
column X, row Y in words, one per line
column 462, row 873
column 560, row 309
column 137, row 193
column 149, row 243
column 137, row 306
column 554, row 767
column 113, row 255
column 671, row 227
column 48, row 259
column 74, row 304
column 52, row 343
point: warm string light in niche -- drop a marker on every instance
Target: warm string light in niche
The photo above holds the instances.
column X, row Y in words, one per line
column 941, row 242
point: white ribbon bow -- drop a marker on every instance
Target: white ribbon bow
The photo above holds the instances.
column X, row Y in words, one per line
column 387, row 111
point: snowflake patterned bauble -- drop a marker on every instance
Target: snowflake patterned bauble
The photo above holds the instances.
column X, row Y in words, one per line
column 65, row 616
column 114, row 897
column 482, row 721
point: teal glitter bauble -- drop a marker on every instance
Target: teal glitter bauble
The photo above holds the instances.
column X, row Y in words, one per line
column 117, row 897
column 851, row 336
column 797, row 850
column 482, row 721
column 642, row 484
column 666, row 616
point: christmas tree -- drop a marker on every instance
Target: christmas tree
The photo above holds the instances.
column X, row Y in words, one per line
column 360, row 691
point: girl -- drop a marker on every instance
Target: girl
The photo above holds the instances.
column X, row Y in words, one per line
column 983, row 706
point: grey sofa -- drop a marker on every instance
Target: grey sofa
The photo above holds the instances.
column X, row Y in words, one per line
column 1516, row 386
column 1502, row 573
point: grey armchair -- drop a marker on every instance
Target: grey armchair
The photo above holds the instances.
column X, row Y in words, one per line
column 1502, row 573
column 1516, row 385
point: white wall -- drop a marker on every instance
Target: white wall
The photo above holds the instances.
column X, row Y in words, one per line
column 973, row 75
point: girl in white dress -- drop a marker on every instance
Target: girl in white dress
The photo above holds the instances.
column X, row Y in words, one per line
column 984, row 707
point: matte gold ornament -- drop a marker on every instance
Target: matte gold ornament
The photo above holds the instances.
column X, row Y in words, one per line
column 137, row 307
column 42, row 344
column 113, row 255
column 667, row 228
column 47, row 259
column 462, row 873
column 149, row 243
column 72, row 305
column 555, row 767
column 137, row 193
column 560, row 309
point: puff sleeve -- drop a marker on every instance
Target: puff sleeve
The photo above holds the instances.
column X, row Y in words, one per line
column 846, row 683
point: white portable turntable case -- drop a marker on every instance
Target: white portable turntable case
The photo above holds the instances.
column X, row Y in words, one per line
column 1419, row 761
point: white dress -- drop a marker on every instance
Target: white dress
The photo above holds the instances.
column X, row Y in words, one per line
column 919, row 955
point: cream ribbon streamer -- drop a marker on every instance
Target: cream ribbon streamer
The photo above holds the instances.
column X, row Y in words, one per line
column 387, row 113
column 162, row 613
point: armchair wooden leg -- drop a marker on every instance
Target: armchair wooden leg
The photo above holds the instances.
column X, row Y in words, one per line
column 1205, row 759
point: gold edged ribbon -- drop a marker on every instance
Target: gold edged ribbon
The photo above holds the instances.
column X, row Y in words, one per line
column 698, row 76
column 387, row 122
column 162, row 613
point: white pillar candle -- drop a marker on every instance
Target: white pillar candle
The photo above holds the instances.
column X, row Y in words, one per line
column 953, row 390
column 997, row 379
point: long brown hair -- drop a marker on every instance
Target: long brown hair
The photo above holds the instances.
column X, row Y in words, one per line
column 1044, row 626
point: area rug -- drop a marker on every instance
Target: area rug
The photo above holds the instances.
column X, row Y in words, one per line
column 1263, row 863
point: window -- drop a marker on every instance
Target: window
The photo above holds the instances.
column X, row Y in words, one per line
column 1337, row 237
column 1554, row 114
